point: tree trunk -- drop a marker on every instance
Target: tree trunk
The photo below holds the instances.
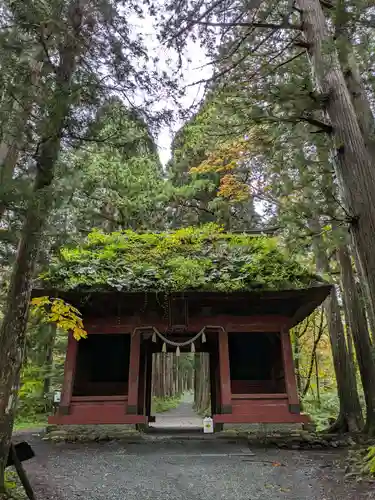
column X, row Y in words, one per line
column 13, row 327
column 48, row 362
column 364, row 294
column 361, row 103
column 349, row 336
column 355, row 167
column 369, row 311
column 358, row 326
column 350, row 416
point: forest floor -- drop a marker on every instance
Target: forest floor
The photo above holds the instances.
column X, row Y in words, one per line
column 186, row 470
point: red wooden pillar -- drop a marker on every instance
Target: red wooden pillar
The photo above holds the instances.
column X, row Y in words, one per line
column 225, row 389
column 148, row 388
column 142, row 382
column 289, row 371
column 69, row 373
column 135, row 352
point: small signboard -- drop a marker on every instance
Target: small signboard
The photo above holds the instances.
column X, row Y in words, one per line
column 57, row 397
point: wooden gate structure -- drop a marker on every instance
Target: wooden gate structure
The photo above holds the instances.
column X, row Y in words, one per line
column 107, row 377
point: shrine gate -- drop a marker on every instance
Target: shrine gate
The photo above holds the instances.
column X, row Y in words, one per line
column 107, row 377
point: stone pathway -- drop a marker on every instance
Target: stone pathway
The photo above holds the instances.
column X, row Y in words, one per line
column 182, row 417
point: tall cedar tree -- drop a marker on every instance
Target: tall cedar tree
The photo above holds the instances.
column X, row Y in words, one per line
column 90, row 52
column 274, row 38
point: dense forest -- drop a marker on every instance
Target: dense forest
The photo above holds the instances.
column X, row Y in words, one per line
column 281, row 145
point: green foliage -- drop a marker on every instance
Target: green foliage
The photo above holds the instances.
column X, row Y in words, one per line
column 322, row 412
column 117, row 180
column 161, row 405
column 369, row 465
column 202, row 258
column 13, row 486
column 31, row 399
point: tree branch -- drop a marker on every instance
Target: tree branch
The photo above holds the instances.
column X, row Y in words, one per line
column 327, row 4
column 274, row 26
column 325, row 127
column 313, row 354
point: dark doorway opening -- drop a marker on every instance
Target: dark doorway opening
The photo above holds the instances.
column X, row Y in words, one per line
column 102, row 367
column 256, row 364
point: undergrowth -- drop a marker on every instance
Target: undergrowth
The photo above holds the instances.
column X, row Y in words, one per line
column 161, row 405
column 14, row 488
column 322, row 412
column 369, row 462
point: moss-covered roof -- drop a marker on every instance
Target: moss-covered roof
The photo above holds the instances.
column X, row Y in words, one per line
column 204, row 259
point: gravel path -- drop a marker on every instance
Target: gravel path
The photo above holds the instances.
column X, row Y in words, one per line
column 181, row 417
column 185, row 470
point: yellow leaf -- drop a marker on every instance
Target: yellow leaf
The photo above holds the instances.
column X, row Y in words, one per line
column 64, row 315
column 40, row 301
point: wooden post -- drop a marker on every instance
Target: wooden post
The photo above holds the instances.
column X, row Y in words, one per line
column 135, row 352
column 289, row 372
column 213, row 385
column 142, row 382
column 225, row 389
column 21, row 473
column 69, row 373
column 148, row 388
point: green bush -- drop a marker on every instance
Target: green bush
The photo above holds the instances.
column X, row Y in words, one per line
column 161, row 405
column 31, row 399
column 14, row 488
column 323, row 412
column 369, row 465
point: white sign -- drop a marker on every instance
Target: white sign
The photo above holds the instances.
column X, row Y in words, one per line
column 208, row 425
column 57, row 397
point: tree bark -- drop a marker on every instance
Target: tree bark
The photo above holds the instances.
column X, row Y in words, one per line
column 350, row 415
column 349, row 337
column 355, row 167
column 358, row 326
column 361, row 103
column 13, row 327
column 48, row 362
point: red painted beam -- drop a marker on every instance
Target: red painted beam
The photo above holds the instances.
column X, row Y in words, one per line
column 261, row 418
column 245, row 324
column 249, row 397
column 102, row 419
column 90, row 399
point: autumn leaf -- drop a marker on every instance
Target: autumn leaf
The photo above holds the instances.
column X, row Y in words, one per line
column 63, row 315
column 233, row 189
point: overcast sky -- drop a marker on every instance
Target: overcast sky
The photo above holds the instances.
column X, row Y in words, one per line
column 193, row 71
